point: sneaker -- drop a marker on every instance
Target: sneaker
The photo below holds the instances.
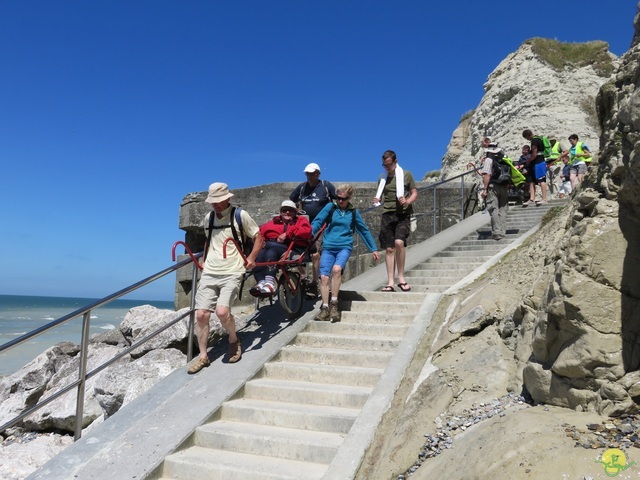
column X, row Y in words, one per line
column 334, row 313
column 323, row 315
column 541, row 202
column 198, row 364
column 235, row 352
column 257, row 288
column 527, row 203
column 496, row 236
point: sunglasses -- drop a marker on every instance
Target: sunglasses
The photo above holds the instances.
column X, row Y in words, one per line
column 287, row 210
column 342, row 199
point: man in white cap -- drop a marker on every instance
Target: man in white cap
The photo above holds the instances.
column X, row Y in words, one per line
column 222, row 274
column 312, row 196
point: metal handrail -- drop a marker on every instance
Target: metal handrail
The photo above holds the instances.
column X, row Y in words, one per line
column 85, row 312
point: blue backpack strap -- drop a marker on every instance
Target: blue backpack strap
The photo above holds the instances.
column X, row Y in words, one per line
column 238, row 238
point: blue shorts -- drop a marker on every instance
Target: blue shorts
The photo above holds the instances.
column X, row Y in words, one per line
column 540, row 170
column 329, row 258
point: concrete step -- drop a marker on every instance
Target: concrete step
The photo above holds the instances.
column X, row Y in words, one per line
column 430, row 288
column 434, row 281
column 290, row 415
column 329, row 374
column 400, row 305
column 485, row 251
column 347, row 342
column 380, row 296
column 468, row 262
column 287, row 443
column 329, row 356
column 383, row 317
column 367, row 329
column 492, row 246
column 433, row 270
column 199, row 463
column 349, row 396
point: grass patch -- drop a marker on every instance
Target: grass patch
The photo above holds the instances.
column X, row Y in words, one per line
column 560, row 55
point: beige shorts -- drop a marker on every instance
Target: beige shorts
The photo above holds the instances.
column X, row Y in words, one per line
column 214, row 290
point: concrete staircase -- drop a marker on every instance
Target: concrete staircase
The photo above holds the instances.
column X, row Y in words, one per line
column 290, row 420
column 307, row 397
column 446, row 267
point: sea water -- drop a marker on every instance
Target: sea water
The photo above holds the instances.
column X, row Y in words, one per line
column 22, row 314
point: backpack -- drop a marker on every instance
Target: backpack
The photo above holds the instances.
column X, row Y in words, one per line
column 500, row 170
column 546, row 153
column 246, row 244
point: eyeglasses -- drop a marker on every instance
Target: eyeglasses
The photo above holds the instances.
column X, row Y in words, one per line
column 342, row 199
column 288, row 210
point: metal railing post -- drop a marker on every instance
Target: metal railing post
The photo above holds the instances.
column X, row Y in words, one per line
column 435, row 210
column 192, row 312
column 462, row 198
column 82, row 374
column 357, row 255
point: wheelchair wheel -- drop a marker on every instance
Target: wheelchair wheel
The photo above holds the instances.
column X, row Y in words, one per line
column 291, row 294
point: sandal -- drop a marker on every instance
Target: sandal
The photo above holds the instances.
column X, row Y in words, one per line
column 404, row 287
column 235, row 352
column 388, row 288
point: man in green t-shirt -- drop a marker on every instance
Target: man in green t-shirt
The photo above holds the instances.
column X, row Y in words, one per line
column 396, row 192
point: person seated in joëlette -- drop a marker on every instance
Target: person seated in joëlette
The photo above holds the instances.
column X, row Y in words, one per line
column 278, row 233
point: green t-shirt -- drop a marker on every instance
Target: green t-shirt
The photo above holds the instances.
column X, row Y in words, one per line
column 389, row 200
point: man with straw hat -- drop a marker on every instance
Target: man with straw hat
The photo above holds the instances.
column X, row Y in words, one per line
column 222, row 274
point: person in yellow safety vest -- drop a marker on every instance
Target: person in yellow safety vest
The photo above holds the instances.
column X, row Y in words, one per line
column 554, row 166
column 579, row 154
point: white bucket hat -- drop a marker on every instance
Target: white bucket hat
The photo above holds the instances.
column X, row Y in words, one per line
column 218, row 192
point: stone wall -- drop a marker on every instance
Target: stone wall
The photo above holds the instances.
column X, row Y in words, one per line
column 263, row 201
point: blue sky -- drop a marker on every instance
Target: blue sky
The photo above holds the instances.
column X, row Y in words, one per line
column 112, row 111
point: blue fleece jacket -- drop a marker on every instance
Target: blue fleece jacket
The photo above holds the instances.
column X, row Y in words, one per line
column 338, row 234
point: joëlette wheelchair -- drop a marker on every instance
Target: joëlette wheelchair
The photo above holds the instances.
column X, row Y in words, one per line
column 290, row 281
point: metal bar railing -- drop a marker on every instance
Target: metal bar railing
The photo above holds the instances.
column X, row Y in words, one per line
column 83, row 375
column 433, row 212
column 85, row 312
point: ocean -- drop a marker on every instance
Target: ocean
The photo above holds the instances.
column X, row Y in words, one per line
column 22, row 314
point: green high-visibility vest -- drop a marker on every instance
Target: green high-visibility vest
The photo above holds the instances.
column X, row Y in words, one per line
column 555, row 152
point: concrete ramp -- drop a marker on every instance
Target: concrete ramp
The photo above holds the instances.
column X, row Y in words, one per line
column 306, row 399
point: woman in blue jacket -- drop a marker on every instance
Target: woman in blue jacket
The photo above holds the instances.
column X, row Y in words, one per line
column 342, row 220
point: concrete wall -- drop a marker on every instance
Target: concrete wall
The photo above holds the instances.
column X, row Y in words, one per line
column 263, row 201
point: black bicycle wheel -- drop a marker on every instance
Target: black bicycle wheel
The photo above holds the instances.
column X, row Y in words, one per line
column 291, row 296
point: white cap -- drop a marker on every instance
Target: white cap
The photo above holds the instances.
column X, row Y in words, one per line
column 288, row 203
column 312, row 167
